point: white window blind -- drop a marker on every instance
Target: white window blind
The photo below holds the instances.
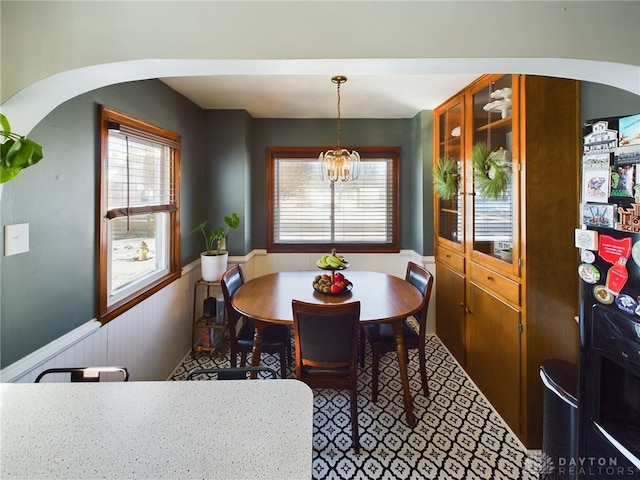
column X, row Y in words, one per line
column 307, row 210
column 139, row 198
column 493, row 218
column 139, row 176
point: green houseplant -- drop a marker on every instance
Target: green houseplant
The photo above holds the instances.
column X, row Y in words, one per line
column 213, row 261
column 17, row 152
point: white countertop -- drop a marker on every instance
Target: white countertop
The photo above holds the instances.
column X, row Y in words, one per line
column 221, row 429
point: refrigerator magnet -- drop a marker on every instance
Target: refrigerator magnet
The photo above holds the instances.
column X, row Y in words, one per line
column 629, row 219
column 587, row 256
column 635, row 252
column 626, row 303
column 603, row 295
column 613, row 249
column 589, row 273
column 596, row 178
column 597, row 214
column 586, row 239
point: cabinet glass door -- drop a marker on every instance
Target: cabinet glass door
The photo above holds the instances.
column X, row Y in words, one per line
column 449, row 210
column 493, row 187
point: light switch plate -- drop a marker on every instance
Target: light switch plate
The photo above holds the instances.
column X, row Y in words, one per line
column 16, row 239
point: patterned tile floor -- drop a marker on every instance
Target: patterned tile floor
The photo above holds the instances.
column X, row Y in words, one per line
column 458, row 435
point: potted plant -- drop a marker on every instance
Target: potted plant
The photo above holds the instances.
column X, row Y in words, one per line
column 213, row 261
column 16, row 151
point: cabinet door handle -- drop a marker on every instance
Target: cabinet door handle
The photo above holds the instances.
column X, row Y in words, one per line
column 461, row 305
column 448, row 256
column 490, row 278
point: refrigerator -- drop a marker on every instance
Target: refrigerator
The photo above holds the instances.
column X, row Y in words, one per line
column 608, row 240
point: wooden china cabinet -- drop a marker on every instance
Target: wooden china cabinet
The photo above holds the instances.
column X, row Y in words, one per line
column 506, row 281
column 449, row 228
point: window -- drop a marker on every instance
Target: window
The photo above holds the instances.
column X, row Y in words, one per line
column 139, row 241
column 307, row 214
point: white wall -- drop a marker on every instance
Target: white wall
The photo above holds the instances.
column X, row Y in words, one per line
column 81, row 46
column 150, row 339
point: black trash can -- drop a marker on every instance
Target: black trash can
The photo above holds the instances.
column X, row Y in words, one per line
column 560, row 420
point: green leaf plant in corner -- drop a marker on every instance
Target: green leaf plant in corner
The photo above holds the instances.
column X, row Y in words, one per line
column 216, row 236
column 16, row 152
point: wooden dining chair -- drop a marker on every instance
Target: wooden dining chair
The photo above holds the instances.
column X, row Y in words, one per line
column 326, row 340
column 86, row 374
column 381, row 336
column 233, row 373
column 277, row 338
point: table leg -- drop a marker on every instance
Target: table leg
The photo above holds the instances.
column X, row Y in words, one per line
column 402, row 362
column 257, row 345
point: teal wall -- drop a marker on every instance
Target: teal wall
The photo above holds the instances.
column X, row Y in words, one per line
column 235, row 167
column 227, row 171
column 604, row 101
column 422, row 179
column 319, row 132
column 50, row 290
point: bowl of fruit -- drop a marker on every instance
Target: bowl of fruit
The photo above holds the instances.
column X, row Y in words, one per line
column 333, row 261
column 335, row 284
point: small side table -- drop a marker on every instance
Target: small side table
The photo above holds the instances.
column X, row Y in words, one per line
column 209, row 328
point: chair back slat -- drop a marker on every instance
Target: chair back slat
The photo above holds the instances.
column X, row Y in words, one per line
column 422, row 279
column 326, row 339
column 418, row 280
column 230, row 282
column 326, row 336
column 234, row 373
column 85, row 374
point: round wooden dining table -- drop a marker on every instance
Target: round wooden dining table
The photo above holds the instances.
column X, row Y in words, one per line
column 383, row 298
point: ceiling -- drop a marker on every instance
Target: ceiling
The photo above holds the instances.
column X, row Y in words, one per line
column 315, row 96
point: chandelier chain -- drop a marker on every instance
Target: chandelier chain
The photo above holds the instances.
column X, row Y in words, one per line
column 339, row 164
column 339, row 82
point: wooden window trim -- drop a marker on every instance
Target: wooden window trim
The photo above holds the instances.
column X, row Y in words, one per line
column 313, row 153
column 107, row 116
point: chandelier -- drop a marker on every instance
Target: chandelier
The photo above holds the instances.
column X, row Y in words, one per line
column 339, row 164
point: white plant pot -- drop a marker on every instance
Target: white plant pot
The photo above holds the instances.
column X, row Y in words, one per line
column 213, row 266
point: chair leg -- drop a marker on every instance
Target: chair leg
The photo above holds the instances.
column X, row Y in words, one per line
column 283, row 362
column 361, row 348
column 243, row 359
column 375, row 359
column 233, row 358
column 423, row 371
column 354, row 420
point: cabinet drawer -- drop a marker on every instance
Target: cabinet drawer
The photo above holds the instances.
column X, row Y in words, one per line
column 495, row 283
column 450, row 259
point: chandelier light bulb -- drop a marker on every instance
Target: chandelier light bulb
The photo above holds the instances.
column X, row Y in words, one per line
column 339, row 164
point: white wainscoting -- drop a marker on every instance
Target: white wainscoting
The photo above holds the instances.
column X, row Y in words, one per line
column 153, row 338
column 150, row 339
